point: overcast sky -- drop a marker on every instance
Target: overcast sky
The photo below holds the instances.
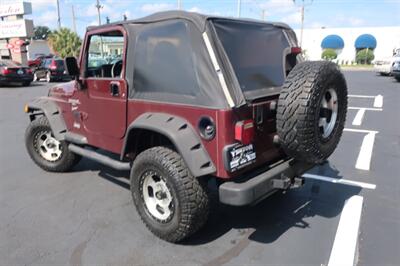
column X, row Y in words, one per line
column 319, row 13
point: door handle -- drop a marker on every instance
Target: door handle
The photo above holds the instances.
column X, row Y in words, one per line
column 114, row 89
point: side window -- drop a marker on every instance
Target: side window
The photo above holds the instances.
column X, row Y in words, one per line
column 47, row 63
column 164, row 61
column 105, row 55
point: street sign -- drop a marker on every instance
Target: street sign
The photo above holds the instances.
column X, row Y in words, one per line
column 16, row 28
column 13, row 9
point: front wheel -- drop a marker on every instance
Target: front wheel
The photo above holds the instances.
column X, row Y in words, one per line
column 171, row 202
column 45, row 150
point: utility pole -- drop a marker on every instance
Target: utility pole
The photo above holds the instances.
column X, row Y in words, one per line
column 239, row 6
column 73, row 18
column 58, row 15
column 303, row 4
column 263, row 14
column 179, row 4
column 98, row 6
column 302, row 24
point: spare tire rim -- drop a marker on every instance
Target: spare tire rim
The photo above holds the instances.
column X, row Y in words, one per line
column 47, row 146
column 157, row 196
column 328, row 112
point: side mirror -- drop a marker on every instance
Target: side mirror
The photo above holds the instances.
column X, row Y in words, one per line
column 72, row 66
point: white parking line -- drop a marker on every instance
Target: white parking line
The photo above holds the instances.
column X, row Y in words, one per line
column 359, row 117
column 366, row 108
column 378, row 102
column 364, row 157
column 340, row 181
column 361, row 130
column 365, row 154
column 361, row 96
column 344, row 247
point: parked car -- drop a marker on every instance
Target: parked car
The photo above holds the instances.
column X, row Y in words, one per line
column 34, row 63
column 13, row 72
column 190, row 102
column 383, row 66
column 395, row 70
column 51, row 69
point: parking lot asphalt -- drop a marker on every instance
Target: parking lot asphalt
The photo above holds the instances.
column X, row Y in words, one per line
column 86, row 217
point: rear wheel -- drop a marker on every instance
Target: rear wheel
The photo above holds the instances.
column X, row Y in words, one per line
column 26, row 83
column 397, row 78
column 312, row 111
column 170, row 201
column 45, row 150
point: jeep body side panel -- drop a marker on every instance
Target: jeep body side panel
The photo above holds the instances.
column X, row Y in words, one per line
column 181, row 134
column 53, row 113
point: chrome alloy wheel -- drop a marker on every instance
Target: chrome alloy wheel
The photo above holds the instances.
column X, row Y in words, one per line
column 328, row 113
column 157, row 196
column 47, row 146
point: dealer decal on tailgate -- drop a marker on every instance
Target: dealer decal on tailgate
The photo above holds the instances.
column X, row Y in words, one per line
column 239, row 156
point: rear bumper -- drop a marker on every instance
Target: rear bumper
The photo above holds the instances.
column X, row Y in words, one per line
column 395, row 73
column 16, row 78
column 262, row 185
column 60, row 76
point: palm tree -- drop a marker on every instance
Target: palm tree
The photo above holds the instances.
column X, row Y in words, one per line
column 65, row 43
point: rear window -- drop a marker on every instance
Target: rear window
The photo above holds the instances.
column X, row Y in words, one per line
column 256, row 52
column 59, row 63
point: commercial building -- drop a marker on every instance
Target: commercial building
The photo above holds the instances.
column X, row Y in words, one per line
column 347, row 41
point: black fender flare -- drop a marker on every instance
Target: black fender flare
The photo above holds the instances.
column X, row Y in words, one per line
column 181, row 134
column 52, row 112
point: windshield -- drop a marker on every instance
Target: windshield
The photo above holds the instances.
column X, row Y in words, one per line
column 256, row 52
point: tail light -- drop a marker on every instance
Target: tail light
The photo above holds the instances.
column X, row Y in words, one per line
column 296, row 50
column 28, row 71
column 244, row 131
column 6, row 71
column 53, row 65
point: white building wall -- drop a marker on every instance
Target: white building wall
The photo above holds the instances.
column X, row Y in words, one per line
column 388, row 38
column 37, row 47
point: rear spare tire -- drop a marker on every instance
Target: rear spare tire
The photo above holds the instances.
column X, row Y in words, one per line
column 311, row 111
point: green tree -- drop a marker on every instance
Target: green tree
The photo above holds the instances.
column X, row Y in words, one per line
column 65, row 43
column 329, row 54
column 365, row 56
column 41, row 32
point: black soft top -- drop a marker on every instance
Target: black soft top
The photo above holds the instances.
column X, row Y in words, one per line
column 197, row 19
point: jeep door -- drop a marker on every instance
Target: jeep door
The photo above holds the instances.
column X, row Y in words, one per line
column 104, row 79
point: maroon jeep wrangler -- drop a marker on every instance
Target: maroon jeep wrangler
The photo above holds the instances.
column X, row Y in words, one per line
column 184, row 98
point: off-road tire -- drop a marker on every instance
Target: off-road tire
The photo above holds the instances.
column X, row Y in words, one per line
column 67, row 158
column 190, row 196
column 397, row 78
column 299, row 108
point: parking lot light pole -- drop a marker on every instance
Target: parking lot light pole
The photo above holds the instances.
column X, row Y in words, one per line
column 239, row 6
